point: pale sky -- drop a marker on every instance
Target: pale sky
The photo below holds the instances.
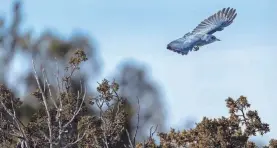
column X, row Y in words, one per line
column 195, row 85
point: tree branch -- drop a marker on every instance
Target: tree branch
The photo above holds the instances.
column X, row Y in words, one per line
column 45, row 105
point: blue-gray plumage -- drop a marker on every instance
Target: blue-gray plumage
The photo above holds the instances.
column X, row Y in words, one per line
column 202, row 34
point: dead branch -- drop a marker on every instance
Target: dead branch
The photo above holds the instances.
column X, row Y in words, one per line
column 45, row 105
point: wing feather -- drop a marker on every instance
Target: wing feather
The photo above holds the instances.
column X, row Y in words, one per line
column 216, row 22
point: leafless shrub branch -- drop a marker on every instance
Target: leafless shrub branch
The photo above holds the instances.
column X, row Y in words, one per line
column 67, row 123
column 45, row 105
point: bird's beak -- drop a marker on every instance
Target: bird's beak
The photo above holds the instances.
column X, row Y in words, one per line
column 218, row 39
column 168, row 46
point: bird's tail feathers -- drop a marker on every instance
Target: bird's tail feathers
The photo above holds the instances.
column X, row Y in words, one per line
column 181, row 51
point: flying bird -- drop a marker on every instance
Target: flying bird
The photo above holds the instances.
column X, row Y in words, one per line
column 202, row 34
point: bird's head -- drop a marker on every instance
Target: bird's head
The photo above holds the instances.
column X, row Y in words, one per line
column 212, row 38
column 208, row 38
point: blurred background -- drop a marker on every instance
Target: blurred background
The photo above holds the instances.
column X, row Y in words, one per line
column 126, row 41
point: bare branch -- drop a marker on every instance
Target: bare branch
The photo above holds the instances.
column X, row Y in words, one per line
column 45, row 136
column 16, row 121
column 49, row 89
column 45, row 105
column 58, row 115
column 134, row 139
column 76, row 112
column 103, row 126
column 131, row 144
column 12, row 134
column 153, row 132
column 58, row 79
column 78, row 139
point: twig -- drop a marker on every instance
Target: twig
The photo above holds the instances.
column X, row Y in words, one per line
column 58, row 115
column 103, row 126
column 45, row 136
column 15, row 114
column 131, row 144
column 78, row 139
column 49, row 89
column 152, row 133
column 76, row 112
column 9, row 133
column 44, row 85
column 57, row 79
column 16, row 121
column 45, row 105
column 134, row 139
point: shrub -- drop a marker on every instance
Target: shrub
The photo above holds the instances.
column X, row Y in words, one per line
column 63, row 119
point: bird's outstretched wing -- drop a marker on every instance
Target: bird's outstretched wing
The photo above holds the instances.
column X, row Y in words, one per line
column 216, row 22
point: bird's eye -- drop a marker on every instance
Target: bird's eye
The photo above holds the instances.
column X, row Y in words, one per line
column 213, row 37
